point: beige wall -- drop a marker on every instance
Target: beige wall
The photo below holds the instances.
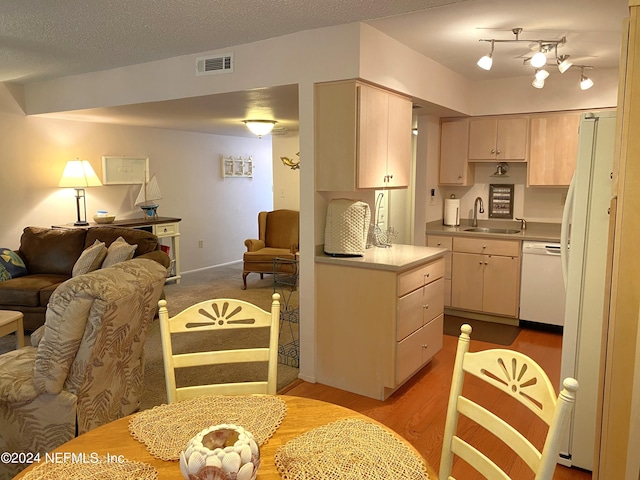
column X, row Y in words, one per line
column 220, row 212
column 286, row 181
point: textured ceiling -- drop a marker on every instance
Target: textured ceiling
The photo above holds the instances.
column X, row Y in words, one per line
column 47, row 39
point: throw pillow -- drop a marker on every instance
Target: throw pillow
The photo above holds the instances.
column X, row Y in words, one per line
column 90, row 259
column 11, row 265
column 119, row 251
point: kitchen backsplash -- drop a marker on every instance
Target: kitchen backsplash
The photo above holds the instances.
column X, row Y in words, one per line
column 534, row 204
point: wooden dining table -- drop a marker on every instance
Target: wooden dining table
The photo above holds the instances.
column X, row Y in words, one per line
column 302, row 415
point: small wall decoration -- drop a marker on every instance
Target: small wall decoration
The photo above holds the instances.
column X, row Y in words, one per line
column 125, row 170
column 293, row 164
column 501, row 201
column 236, row 167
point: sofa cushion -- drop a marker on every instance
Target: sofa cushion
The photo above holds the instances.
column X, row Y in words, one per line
column 51, row 250
column 30, row 290
column 11, row 265
column 118, row 251
column 90, row 259
column 146, row 241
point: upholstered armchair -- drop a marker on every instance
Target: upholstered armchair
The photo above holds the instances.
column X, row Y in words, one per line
column 86, row 363
column 278, row 237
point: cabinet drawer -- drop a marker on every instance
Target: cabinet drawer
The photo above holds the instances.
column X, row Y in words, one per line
column 418, row 348
column 165, row 230
column 509, row 248
column 440, row 241
column 419, row 307
column 420, row 276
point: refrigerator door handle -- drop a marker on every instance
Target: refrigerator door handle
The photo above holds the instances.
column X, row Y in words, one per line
column 564, row 229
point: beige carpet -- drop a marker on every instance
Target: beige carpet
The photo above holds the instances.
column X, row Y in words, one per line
column 219, row 282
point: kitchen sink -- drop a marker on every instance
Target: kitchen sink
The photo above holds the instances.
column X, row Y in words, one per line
column 506, row 231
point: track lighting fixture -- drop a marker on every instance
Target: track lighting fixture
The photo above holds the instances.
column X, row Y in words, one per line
column 539, row 59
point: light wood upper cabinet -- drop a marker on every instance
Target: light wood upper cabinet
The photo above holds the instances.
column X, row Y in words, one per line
column 454, row 148
column 553, row 149
column 498, row 139
column 362, row 137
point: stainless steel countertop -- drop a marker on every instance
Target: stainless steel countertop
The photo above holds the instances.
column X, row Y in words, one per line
column 535, row 231
column 396, row 258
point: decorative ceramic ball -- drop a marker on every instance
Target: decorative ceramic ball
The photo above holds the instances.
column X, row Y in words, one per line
column 221, row 452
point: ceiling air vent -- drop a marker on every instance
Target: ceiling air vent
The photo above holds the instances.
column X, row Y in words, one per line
column 218, row 64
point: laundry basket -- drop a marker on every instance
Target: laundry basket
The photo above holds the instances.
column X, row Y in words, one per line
column 347, row 228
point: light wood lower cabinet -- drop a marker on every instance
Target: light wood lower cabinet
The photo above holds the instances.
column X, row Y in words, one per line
column 443, row 241
column 376, row 328
column 485, row 275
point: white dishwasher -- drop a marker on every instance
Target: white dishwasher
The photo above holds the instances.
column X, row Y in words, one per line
column 542, row 292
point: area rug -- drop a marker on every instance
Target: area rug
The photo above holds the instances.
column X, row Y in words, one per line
column 482, row 331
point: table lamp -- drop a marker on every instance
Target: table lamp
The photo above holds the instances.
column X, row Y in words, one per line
column 78, row 174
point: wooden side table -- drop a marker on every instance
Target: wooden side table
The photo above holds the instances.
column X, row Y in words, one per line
column 10, row 322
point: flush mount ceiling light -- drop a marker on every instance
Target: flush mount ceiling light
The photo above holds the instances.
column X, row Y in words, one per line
column 539, row 59
column 260, row 127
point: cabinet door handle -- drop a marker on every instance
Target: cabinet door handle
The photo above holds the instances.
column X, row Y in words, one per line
column 426, row 275
column 484, row 246
column 480, row 262
column 497, row 152
column 459, row 177
column 425, row 345
column 425, row 306
column 493, row 150
column 486, row 263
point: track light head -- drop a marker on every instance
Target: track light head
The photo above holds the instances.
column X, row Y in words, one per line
column 541, row 74
column 487, row 61
column 539, row 59
column 563, row 63
column 538, row 83
column 585, row 82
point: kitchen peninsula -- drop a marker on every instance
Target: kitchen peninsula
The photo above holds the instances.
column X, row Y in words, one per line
column 379, row 317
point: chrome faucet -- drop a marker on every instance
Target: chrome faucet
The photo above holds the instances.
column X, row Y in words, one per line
column 474, row 223
column 523, row 223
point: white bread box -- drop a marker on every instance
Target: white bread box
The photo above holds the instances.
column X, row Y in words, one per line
column 347, row 227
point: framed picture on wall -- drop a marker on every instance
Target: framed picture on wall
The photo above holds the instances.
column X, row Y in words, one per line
column 125, row 170
column 501, row 201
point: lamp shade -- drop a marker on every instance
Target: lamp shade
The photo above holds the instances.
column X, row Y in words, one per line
column 79, row 174
column 260, row 127
column 538, row 60
column 485, row 62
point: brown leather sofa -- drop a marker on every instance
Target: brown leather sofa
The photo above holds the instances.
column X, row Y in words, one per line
column 50, row 254
column 278, row 237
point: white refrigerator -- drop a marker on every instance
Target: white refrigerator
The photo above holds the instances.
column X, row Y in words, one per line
column 584, row 253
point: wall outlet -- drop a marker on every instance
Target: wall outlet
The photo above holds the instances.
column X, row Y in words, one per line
column 200, row 243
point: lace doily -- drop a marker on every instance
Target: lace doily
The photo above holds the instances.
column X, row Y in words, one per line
column 93, row 468
column 166, row 429
column 349, row 449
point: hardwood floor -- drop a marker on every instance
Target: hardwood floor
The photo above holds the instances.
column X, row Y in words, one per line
column 417, row 410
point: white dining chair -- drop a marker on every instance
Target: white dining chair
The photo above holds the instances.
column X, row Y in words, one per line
column 217, row 315
column 521, row 378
